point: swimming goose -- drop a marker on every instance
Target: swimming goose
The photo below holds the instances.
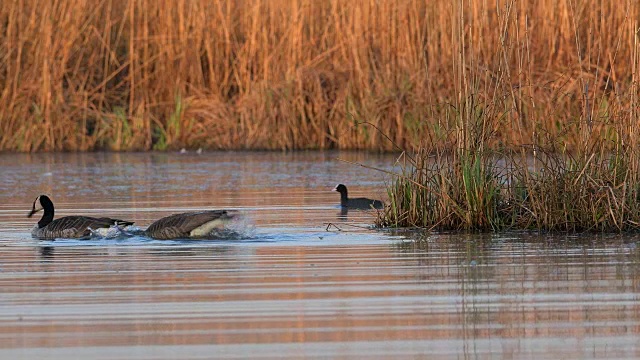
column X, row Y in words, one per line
column 357, row 203
column 68, row 226
column 190, row 225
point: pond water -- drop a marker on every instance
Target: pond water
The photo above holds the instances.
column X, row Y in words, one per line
column 305, row 281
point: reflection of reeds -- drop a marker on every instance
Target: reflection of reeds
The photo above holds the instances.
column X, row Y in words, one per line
column 124, row 74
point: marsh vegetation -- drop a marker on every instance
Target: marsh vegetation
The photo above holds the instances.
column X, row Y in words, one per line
column 454, row 85
column 139, row 75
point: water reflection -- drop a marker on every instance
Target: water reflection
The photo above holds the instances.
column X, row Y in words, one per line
column 456, row 296
column 211, row 251
column 46, row 252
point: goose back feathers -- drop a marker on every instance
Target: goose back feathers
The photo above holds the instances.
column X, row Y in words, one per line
column 68, row 226
column 197, row 224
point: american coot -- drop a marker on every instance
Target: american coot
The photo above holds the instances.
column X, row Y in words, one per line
column 68, row 226
column 190, row 225
column 357, row 203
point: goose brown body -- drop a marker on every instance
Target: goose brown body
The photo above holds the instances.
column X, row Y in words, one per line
column 190, row 225
column 75, row 226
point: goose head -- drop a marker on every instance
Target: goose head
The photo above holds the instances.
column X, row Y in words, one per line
column 42, row 202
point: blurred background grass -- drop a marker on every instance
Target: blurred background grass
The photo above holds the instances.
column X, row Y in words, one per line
column 303, row 74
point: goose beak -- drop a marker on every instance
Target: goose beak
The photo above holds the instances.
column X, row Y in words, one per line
column 33, row 211
column 335, row 189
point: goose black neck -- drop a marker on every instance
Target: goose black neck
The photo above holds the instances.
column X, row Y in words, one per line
column 48, row 211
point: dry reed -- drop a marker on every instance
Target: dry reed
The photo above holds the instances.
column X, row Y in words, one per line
column 560, row 155
column 300, row 74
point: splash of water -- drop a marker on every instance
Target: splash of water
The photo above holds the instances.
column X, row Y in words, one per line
column 238, row 228
column 112, row 232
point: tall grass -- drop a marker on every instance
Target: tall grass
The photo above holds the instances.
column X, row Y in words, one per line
column 563, row 192
column 525, row 158
column 275, row 74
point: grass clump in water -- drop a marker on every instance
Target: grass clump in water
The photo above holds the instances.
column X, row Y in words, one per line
column 461, row 189
column 447, row 192
column 502, row 156
column 594, row 190
column 481, row 189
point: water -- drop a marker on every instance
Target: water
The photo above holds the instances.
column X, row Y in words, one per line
column 307, row 282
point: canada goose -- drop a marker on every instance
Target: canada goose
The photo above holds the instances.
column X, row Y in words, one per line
column 357, row 203
column 190, row 225
column 68, row 226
